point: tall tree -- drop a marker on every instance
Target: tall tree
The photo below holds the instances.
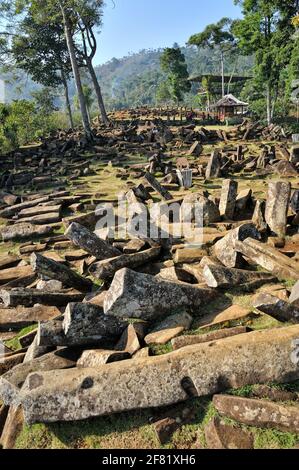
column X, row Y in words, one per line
column 217, row 37
column 266, row 31
column 41, row 50
column 173, row 63
column 89, row 16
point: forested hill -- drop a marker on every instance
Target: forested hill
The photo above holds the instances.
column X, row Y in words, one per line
column 133, row 80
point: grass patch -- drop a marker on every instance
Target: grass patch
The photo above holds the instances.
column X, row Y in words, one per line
column 14, row 343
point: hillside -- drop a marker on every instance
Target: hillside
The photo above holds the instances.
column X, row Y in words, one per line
column 133, row 80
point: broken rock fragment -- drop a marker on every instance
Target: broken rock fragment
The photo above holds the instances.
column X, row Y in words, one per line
column 277, row 308
column 169, row 328
column 225, row 250
column 259, row 413
column 222, row 277
column 137, row 295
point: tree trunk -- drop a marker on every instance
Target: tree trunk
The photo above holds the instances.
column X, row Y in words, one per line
column 75, row 68
column 67, row 100
column 222, row 74
column 98, row 91
column 269, row 105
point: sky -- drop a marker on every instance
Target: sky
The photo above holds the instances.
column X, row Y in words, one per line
column 132, row 25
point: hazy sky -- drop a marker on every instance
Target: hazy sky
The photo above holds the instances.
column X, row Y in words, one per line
column 132, row 25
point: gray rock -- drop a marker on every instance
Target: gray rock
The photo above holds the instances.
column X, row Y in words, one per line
column 169, row 328
column 277, row 205
column 258, row 413
column 137, row 295
column 159, row 381
column 225, row 249
column 228, row 199
column 222, row 277
column 277, row 308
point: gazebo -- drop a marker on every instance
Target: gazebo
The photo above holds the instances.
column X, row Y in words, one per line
column 230, row 106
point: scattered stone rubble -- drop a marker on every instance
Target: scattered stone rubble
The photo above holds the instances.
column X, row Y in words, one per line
column 99, row 305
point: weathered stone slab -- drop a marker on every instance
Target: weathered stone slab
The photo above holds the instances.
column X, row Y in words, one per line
column 269, row 258
column 9, row 261
column 225, row 250
column 276, row 308
column 259, row 216
column 189, row 255
column 169, row 328
column 11, row 381
column 222, row 277
column 273, row 394
column 183, row 341
column 214, row 165
column 277, row 206
column 259, row 413
column 12, row 428
column 107, row 268
column 10, row 362
column 223, row 436
column 136, row 295
column 157, row 187
column 157, row 381
column 131, row 338
column 200, row 210
column 231, row 315
column 87, row 324
column 11, row 274
column 99, row 357
column 30, row 297
column 12, row 210
column 242, row 200
column 24, row 230
column 39, row 210
column 57, row 271
column 90, row 242
column 134, row 246
column 228, row 199
column 43, row 219
column 294, row 297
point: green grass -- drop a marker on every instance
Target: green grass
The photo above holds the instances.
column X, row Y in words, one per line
column 14, row 343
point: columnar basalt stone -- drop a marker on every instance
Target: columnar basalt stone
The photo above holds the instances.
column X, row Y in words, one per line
column 31, row 297
column 214, row 165
column 228, row 199
column 137, row 295
column 200, row 210
column 12, row 210
column 57, row 271
column 277, row 308
column 107, row 268
column 24, row 230
column 183, row 341
column 258, row 413
column 89, row 242
column 223, row 436
column 269, row 258
column 157, row 187
column 277, row 205
column 225, row 249
column 99, row 357
column 86, row 324
column 159, row 381
column 222, row 277
column 169, row 328
column 294, row 297
column 11, row 274
column 11, row 381
column 259, row 216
